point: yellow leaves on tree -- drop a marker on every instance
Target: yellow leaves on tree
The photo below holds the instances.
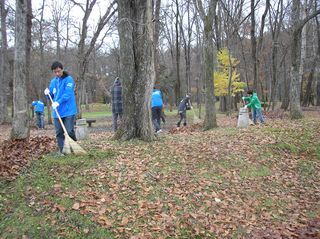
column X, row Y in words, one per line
column 222, row 81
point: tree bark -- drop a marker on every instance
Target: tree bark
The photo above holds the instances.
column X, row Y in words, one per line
column 210, row 120
column 303, row 48
column 156, row 19
column 4, row 66
column 137, row 69
column 179, row 86
column 20, row 124
column 307, row 97
column 297, row 24
column 254, row 45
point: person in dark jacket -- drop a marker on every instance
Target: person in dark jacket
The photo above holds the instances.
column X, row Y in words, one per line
column 184, row 105
column 61, row 89
column 39, row 109
column 156, row 109
column 116, row 99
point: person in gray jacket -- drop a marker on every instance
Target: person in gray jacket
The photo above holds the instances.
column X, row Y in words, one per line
column 185, row 104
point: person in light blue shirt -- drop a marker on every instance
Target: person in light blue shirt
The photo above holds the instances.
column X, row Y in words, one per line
column 61, row 90
column 39, row 109
column 156, row 107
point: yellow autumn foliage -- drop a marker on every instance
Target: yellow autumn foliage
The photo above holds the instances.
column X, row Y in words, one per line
column 221, row 77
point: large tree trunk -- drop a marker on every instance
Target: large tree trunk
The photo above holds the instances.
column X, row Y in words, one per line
column 179, row 85
column 303, row 51
column 307, row 96
column 20, row 125
column 4, row 66
column 137, row 69
column 210, row 120
column 156, row 39
column 297, row 24
column 318, row 61
column 295, row 108
column 254, row 45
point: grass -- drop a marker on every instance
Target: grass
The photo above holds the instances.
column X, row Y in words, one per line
column 255, row 171
column 27, row 205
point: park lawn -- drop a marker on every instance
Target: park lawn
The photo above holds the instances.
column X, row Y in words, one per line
column 223, row 183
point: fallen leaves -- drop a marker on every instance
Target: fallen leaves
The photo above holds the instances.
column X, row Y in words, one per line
column 14, row 155
column 196, row 184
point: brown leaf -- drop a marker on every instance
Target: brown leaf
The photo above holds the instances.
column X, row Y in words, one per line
column 76, row 206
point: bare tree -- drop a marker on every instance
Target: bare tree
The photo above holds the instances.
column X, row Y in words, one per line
column 136, row 69
column 156, row 19
column 20, row 124
column 295, row 87
column 276, row 16
column 178, row 88
column 210, row 120
column 4, row 66
column 83, row 52
column 318, row 62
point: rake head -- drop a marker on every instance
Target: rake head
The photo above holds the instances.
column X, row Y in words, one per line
column 71, row 147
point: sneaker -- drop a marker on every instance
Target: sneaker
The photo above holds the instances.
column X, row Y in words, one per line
column 159, row 131
column 59, row 154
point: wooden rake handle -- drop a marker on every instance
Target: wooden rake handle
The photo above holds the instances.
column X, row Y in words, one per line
column 63, row 127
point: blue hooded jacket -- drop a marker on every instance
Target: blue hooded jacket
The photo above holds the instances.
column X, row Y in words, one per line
column 156, row 99
column 39, row 106
column 62, row 91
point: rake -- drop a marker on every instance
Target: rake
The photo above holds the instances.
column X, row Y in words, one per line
column 70, row 146
column 196, row 119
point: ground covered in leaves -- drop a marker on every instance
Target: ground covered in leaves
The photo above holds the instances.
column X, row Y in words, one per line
column 260, row 182
column 15, row 155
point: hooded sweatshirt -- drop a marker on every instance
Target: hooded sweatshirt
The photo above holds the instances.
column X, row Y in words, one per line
column 116, row 97
column 254, row 102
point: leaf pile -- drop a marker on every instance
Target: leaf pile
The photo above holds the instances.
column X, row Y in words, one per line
column 16, row 154
column 186, row 129
column 309, row 231
column 275, row 114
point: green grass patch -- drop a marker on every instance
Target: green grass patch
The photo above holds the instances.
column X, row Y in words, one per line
column 255, row 171
column 22, row 208
column 307, row 169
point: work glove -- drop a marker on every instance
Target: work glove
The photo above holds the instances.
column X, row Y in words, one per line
column 46, row 91
column 55, row 105
column 191, row 107
column 243, row 97
column 245, row 106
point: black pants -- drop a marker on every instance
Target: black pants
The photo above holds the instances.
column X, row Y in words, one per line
column 183, row 116
column 156, row 117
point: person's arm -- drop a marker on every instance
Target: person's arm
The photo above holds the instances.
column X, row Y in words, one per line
column 51, row 87
column 252, row 102
column 68, row 90
column 34, row 103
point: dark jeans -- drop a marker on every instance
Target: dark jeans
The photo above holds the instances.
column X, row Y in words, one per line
column 257, row 115
column 156, row 117
column 183, row 116
column 40, row 120
column 69, row 124
column 115, row 120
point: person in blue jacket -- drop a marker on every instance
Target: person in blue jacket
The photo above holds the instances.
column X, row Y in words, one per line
column 39, row 109
column 156, row 107
column 61, row 89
